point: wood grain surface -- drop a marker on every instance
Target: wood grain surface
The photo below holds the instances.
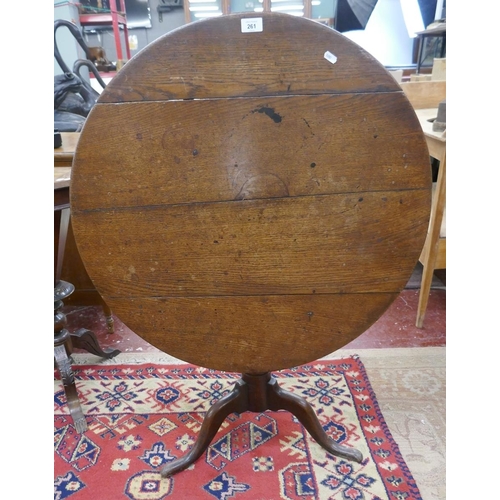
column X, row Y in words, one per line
column 244, row 204
column 213, row 58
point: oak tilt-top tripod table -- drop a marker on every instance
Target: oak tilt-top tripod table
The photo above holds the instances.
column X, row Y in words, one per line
column 251, row 193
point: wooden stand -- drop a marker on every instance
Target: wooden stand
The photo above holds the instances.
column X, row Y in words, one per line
column 62, row 346
column 64, row 341
column 258, row 393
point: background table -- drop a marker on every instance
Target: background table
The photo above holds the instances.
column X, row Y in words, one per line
column 64, row 340
column 63, row 155
column 433, row 254
column 72, row 268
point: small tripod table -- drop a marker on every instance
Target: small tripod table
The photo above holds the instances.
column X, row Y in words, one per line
column 251, row 193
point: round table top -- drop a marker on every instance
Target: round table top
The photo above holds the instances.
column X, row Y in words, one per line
column 250, row 196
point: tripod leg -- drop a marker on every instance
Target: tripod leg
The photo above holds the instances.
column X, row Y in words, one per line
column 86, row 339
column 234, row 402
column 279, row 399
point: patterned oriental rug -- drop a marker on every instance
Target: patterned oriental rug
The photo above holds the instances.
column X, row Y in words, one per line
column 142, row 416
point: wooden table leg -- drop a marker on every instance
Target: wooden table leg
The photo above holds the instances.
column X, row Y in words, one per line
column 258, row 393
column 110, row 322
column 279, row 399
column 234, row 402
column 86, row 339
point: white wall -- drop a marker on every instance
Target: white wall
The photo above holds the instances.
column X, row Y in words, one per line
column 385, row 36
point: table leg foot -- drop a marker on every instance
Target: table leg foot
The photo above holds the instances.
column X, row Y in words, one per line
column 234, row 402
column 86, row 339
column 280, row 399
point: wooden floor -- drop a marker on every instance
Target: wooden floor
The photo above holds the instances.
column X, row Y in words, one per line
column 396, row 328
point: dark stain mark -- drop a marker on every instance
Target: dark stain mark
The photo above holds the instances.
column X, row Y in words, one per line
column 313, row 165
column 401, row 201
column 195, row 152
column 216, row 242
column 384, row 199
column 375, row 136
column 275, row 117
column 289, row 87
column 177, row 160
column 360, row 199
column 138, row 136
